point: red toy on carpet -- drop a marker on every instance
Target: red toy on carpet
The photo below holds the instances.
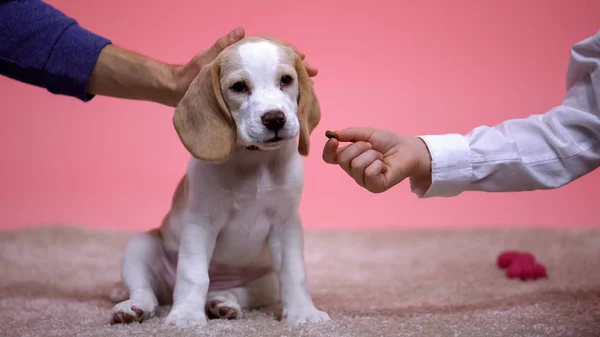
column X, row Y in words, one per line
column 521, row 265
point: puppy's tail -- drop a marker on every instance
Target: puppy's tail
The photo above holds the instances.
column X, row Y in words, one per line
column 118, row 293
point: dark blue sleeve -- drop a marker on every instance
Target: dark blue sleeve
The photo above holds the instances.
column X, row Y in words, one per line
column 40, row 45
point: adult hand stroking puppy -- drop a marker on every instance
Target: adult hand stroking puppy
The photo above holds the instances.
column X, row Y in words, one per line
column 233, row 237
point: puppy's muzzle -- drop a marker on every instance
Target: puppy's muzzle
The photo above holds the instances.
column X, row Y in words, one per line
column 273, row 120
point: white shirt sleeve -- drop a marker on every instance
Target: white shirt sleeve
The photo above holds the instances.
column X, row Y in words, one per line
column 539, row 152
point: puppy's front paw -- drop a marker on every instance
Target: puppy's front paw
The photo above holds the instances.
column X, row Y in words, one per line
column 186, row 318
column 127, row 312
column 304, row 314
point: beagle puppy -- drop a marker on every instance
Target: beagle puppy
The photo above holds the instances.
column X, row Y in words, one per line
column 233, row 237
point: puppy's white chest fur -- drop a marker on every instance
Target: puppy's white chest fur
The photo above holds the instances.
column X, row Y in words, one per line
column 264, row 196
column 245, row 200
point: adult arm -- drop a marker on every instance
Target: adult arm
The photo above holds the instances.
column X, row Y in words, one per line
column 40, row 45
column 539, row 152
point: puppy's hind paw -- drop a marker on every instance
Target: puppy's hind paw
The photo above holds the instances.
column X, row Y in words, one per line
column 125, row 313
column 118, row 293
column 220, row 307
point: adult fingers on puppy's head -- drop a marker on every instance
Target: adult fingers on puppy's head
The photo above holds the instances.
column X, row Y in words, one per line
column 350, row 152
column 224, row 41
column 229, row 39
column 359, row 165
column 312, row 71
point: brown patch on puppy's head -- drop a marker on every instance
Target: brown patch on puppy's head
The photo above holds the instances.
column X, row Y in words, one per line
column 202, row 119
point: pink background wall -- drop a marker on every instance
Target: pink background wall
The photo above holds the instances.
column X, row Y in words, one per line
column 429, row 66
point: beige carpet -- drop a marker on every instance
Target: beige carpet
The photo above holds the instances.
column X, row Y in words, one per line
column 54, row 281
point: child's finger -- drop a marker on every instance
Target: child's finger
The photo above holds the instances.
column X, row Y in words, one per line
column 330, row 151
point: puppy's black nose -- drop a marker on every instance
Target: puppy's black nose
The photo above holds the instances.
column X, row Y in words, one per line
column 273, row 120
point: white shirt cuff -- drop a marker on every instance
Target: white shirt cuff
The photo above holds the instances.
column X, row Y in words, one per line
column 451, row 168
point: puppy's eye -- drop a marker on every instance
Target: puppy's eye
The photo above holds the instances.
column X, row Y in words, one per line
column 286, row 80
column 239, row 87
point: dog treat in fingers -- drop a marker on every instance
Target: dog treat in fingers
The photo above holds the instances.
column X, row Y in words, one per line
column 330, row 134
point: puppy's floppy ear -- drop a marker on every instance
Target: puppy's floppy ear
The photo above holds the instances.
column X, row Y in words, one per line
column 203, row 120
column 309, row 110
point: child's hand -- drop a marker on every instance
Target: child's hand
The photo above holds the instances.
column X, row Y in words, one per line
column 377, row 159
